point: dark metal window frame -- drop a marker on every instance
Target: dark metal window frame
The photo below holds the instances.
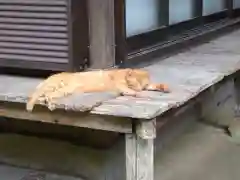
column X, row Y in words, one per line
column 135, row 47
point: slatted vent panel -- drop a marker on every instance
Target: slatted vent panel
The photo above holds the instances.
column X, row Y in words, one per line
column 34, row 30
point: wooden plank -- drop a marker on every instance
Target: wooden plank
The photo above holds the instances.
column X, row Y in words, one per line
column 146, row 129
column 140, row 153
column 147, row 105
column 130, row 108
column 26, row 58
column 130, row 153
column 33, row 33
column 38, row 2
column 187, row 73
column 102, row 36
column 179, row 76
column 237, row 95
column 34, row 40
column 145, row 156
column 60, row 22
column 33, row 52
column 184, row 84
column 33, row 46
column 107, row 123
column 32, row 8
column 146, row 133
column 10, row 172
column 219, row 62
column 33, row 15
column 18, row 89
column 33, row 27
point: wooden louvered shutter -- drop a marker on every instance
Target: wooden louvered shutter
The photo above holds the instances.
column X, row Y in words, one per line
column 43, row 34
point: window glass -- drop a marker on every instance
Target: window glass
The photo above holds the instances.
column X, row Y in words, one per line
column 142, row 16
column 236, row 4
column 213, row 6
column 180, row 10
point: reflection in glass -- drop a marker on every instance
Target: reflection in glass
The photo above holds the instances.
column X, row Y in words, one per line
column 141, row 16
column 236, row 4
column 180, row 10
column 213, row 6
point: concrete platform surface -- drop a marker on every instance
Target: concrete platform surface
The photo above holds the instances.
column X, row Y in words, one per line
column 14, row 173
column 201, row 153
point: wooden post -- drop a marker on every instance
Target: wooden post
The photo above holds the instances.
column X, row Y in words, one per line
column 140, row 152
column 102, row 36
column 237, row 94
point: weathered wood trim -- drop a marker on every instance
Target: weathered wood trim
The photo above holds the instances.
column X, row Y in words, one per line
column 102, row 36
column 139, row 158
column 85, row 120
column 145, row 156
column 146, row 129
column 120, row 32
column 236, row 93
column 130, row 153
column 140, row 151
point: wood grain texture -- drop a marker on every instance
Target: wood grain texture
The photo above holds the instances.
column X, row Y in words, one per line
column 146, row 129
column 145, row 156
column 187, row 73
column 102, row 35
column 139, row 158
column 107, row 123
column 130, row 153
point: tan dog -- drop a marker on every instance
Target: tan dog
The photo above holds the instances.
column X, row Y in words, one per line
column 122, row 81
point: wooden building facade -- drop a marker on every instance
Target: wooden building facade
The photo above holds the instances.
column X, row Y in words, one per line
column 76, row 35
column 103, row 136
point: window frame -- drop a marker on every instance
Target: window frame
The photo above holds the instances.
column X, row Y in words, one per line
column 152, row 42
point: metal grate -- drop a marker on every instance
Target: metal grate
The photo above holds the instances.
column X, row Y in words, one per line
column 36, row 31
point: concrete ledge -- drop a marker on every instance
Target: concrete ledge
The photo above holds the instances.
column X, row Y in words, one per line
column 63, row 157
column 199, row 152
column 14, row 173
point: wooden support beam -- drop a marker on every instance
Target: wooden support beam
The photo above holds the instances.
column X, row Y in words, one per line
column 140, row 151
column 229, row 5
column 146, row 129
column 85, row 120
column 102, row 36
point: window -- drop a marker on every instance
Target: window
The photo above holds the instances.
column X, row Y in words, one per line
column 236, row 4
column 180, row 11
column 147, row 20
column 148, row 25
column 213, row 6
